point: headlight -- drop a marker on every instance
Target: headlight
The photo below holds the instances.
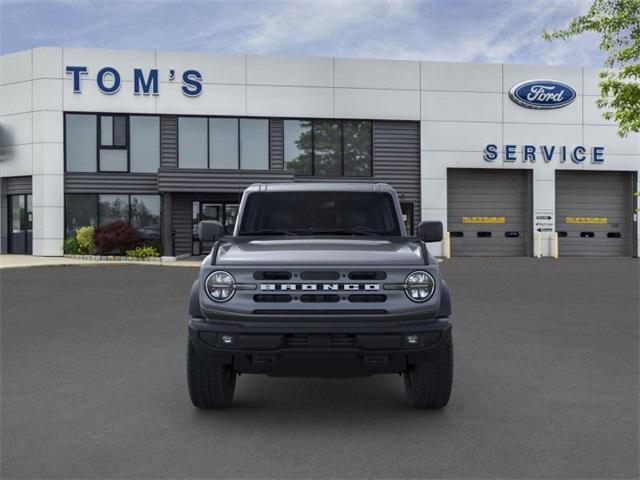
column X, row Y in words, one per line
column 419, row 286
column 220, row 286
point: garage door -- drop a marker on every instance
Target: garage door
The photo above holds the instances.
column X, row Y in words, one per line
column 593, row 213
column 488, row 212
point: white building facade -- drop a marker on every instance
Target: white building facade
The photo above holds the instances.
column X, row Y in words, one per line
column 164, row 139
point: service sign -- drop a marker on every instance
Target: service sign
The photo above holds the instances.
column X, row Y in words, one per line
column 544, row 220
column 542, row 94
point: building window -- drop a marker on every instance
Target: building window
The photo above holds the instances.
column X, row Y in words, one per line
column 145, row 143
column 146, row 217
column 192, row 142
column 329, row 148
column 297, row 146
column 80, row 142
column 357, row 149
column 142, row 212
column 223, row 143
column 407, row 217
column 112, row 143
column 112, row 208
column 80, row 211
column 225, row 213
column 254, row 144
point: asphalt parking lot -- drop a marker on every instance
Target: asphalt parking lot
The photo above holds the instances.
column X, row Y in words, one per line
column 546, row 384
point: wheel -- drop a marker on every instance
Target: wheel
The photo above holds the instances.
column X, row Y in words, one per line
column 211, row 384
column 428, row 384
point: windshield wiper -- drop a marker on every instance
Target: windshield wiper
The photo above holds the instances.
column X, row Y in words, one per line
column 269, row 231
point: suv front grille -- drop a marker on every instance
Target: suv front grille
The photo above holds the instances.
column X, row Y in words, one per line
column 320, row 341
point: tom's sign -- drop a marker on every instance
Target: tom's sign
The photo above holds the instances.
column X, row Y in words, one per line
column 542, row 94
column 108, row 80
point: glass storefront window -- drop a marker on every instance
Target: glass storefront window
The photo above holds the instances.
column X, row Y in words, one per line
column 81, row 210
column 230, row 216
column 146, row 217
column 297, row 146
column 327, row 142
column 80, row 142
column 112, row 208
column 357, row 148
column 192, row 142
column 144, row 143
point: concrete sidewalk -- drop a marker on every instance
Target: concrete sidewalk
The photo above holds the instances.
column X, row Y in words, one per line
column 26, row 261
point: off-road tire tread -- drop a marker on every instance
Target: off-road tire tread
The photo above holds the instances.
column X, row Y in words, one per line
column 428, row 384
column 211, row 384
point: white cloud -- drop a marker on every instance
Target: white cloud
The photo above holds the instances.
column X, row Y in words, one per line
column 455, row 30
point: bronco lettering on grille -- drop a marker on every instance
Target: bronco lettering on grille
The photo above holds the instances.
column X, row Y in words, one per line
column 371, row 287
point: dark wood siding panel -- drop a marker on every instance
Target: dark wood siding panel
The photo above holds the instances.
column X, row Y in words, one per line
column 396, row 160
column 182, row 225
column 276, row 148
column 18, row 185
column 216, row 181
column 110, row 183
column 168, row 141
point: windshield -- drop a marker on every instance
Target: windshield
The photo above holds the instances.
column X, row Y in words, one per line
column 319, row 213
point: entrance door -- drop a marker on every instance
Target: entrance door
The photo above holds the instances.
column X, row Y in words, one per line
column 20, row 222
column 489, row 212
column 204, row 211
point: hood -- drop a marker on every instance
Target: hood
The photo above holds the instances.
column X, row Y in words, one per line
column 319, row 251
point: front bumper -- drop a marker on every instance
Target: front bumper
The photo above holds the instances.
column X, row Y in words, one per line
column 320, row 350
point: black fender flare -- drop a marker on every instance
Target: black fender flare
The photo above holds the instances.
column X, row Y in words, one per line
column 194, row 300
column 445, row 301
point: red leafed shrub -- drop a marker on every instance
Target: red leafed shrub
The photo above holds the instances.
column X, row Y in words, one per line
column 116, row 238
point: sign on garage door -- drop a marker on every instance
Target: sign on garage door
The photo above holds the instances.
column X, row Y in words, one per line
column 594, row 213
column 488, row 212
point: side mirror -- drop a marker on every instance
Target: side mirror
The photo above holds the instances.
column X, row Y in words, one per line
column 430, row 231
column 210, row 231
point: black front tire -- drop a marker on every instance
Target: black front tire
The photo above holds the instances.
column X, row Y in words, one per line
column 211, row 384
column 428, row 384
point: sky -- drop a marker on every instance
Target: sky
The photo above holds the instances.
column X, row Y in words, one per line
column 486, row 31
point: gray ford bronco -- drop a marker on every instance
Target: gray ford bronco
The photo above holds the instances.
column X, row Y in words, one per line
column 320, row 279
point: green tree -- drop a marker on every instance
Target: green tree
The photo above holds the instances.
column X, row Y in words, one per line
column 618, row 23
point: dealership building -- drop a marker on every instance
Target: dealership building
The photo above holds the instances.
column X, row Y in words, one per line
column 515, row 160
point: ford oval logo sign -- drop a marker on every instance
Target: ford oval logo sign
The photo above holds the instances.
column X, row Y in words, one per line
column 542, row 94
